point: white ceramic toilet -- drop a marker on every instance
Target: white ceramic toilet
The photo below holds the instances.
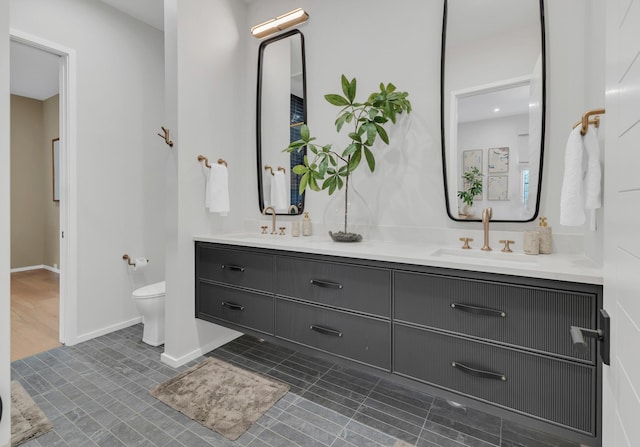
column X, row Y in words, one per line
column 150, row 302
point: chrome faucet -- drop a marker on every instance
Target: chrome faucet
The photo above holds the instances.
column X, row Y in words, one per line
column 273, row 218
column 486, row 217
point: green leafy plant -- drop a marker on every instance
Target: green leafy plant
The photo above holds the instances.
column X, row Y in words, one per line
column 368, row 119
column 473, row 182
column 326, row 169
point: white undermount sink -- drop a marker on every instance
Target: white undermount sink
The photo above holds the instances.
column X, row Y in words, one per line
column 493, row 257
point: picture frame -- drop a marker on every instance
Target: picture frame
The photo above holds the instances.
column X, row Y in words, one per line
column 498, row 159
column 472, row 159
column 498, row 187
column 55, row 158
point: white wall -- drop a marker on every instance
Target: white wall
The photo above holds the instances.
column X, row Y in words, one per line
column 5, row 233
column 205, row 93
column 120, row 160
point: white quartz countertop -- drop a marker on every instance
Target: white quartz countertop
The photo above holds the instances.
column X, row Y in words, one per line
column 556, row 266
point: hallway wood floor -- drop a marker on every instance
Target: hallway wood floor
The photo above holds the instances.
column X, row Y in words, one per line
column 35, row 312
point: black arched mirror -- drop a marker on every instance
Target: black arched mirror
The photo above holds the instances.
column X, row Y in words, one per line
column 493, row 108
column 281, row 110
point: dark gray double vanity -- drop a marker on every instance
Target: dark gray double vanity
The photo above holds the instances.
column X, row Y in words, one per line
column 500, row 340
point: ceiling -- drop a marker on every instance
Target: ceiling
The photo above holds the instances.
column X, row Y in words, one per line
column 34, row 72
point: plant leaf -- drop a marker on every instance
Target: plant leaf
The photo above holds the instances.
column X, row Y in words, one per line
column 345, row 85
column 350, row 149
column 371, row 160
column 356, row 136
column 371, row 133
column 352, row 90
column 300, row 169
column 341, row 120
column 355, row 160
column 336, row 100
column 304, row 180
column 383, row 133
column 304, row 133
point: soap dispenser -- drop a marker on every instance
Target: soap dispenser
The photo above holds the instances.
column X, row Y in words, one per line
column 545, row 237
column 306, row 225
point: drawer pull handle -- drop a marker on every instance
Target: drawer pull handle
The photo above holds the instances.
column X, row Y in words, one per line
column 325, row 330
column 479, row 310
column 326, row 284
column 235, row 268
column 232, row 306
column 479, row 373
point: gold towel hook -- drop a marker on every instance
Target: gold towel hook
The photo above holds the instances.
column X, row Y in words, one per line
column 222, row 162
column 586, row 121
column 268, row 168
column 205, row 159
column 166, row 136
column 280, row 168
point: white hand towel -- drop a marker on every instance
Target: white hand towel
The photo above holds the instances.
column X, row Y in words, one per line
column 571, row 198
column 217, row 190
column 581, row 183
column 279, row 193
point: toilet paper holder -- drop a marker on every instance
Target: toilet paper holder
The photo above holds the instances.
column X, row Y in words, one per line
column 127, row 258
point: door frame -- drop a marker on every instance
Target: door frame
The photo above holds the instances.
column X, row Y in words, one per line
column 68, row 175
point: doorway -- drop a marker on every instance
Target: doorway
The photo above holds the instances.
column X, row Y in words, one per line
column 41, row 280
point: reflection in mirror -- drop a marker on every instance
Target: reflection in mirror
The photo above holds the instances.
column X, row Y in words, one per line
column 493, row 89
column 281, row 110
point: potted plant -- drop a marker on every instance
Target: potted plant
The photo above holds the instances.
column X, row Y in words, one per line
column 472, row 180
column 326, row 169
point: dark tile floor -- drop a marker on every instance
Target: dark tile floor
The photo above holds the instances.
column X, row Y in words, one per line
column 96, row 394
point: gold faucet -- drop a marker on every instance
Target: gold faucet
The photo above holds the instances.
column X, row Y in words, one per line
column 486, row 217
column 273, row 218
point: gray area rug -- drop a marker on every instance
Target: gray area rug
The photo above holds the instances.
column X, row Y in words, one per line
column 27, row 420
column 221, row 396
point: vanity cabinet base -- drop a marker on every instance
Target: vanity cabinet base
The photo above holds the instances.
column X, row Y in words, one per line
column 500, row 343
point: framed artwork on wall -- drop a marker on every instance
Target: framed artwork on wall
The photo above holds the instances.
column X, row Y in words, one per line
column 498, row 187
column 498, row 158
column 55, row 157
column 472, row 159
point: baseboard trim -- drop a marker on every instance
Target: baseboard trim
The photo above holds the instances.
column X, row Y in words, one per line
column 177, row 362
column 35, row 267
column 105, row 330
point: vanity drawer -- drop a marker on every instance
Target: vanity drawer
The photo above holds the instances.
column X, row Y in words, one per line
column 537, row 318
column 235, row 267
column 363, row 289
column 251, row 310
column 555, row 390
column 355, row 337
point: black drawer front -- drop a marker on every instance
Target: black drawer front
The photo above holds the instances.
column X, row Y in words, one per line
column 555, row 390
column 235, row 267
column 359, row 338
column 363, row 289
column 535, row 318
column 251, row 310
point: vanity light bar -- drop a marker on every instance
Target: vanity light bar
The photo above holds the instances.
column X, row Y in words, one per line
column 284, row 21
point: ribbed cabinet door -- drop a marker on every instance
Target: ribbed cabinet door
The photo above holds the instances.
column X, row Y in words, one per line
column 351, row 287
column 235, row 267
column 359, row 338
column 538, row 318
column 247, row 309
column 555, row 390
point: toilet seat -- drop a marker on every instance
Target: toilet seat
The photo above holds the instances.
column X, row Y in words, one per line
column 151, row 291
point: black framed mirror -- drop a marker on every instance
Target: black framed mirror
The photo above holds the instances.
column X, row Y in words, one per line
column 493, row 83
column 281, row 110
